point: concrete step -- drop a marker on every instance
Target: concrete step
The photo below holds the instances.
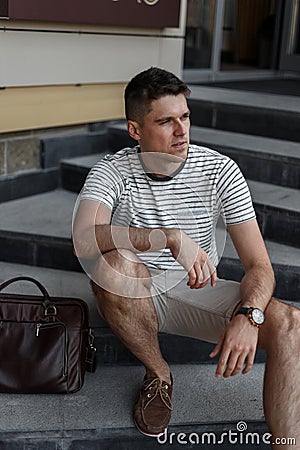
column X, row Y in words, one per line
column 262, row 159
column 260, row 114
column 55, row 148
column 279, row 86
column 31, row 182
column 37, row 231
column 286, row 264
column 73, row 171
column 278, row 212
column 100, row 415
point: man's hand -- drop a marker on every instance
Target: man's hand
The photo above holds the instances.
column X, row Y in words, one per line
column 194, row 259
column 236, row 347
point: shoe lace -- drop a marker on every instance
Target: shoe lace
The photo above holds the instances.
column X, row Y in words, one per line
column 159, row 388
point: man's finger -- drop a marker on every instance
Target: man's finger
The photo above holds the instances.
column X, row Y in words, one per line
column 217, row 348
column 209, row 272
column 198, row 272
column 231, row 365
column 249, row 363
column 239, row 364
column 192, row 277
column 222, row 363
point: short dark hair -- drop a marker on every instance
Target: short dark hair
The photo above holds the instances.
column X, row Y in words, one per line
column 149, row 85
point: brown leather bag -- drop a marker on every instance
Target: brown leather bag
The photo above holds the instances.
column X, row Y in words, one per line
column 44, row 342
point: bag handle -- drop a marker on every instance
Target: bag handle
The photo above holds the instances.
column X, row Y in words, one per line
column 46, row 301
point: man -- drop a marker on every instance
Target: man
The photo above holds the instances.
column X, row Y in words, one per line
column 147, row 216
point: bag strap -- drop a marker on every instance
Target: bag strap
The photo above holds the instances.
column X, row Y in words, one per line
column 46, row 301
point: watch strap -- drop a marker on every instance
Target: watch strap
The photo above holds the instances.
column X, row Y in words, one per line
column 246, row 311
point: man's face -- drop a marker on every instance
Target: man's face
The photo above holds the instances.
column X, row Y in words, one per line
column 165, row 129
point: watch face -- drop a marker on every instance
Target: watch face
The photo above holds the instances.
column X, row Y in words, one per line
column 258, row 316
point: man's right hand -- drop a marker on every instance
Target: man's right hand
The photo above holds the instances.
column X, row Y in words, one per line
column 193, row 258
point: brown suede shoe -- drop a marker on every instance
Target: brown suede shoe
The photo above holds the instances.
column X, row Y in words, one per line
column 152, row 412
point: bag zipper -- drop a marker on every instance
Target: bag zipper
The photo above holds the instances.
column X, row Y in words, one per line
column 40, row 326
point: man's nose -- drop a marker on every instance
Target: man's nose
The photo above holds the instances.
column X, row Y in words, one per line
column 180, row 128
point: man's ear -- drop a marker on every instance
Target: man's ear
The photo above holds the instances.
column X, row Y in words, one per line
column 133, row 130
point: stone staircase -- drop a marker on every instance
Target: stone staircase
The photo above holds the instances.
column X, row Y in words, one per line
column 260, row 132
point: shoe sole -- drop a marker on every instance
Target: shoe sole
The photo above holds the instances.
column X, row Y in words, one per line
column 148, row 434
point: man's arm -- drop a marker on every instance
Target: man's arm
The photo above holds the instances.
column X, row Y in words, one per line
column 258, row 284
column 238, row 343
column 93, row 235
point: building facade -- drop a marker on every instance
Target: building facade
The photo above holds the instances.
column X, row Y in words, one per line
column 64, row 65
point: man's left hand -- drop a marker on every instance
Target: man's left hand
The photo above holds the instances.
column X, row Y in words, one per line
column 236, row 347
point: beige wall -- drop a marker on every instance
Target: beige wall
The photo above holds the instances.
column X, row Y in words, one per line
column 52, row 106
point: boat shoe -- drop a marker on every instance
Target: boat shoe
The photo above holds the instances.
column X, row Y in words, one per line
column 152, row 412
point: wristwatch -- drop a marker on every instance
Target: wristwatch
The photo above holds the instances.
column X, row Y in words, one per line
column 255, row 315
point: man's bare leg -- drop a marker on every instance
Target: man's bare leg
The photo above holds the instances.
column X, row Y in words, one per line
column 280, row 336
column 132, row 319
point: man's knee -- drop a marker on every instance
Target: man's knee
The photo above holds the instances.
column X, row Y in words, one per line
column 291, row 325
column 282, row 325
column 122, row 273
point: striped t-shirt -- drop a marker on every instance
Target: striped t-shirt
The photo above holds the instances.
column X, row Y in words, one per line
column 207, row 186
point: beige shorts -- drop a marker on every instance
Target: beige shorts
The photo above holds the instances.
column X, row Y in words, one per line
column 198, row 313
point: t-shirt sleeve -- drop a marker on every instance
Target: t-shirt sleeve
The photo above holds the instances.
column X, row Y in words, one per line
column 234, row 195
column 103, row 184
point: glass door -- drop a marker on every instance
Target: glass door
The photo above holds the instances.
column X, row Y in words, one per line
column 290, row 49
column 250, row 34
column 200, row 29
column 226, row 38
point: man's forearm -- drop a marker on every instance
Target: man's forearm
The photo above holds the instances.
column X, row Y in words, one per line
column 110, row 237
column 257, row 286
column 94, row 241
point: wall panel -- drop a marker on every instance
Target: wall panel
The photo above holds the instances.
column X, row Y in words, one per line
column 54, row 106
column 36, row 58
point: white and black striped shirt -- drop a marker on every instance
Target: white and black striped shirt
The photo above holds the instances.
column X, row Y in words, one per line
column 207, row 185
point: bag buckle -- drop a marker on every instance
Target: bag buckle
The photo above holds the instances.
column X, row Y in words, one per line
column 50, row 310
